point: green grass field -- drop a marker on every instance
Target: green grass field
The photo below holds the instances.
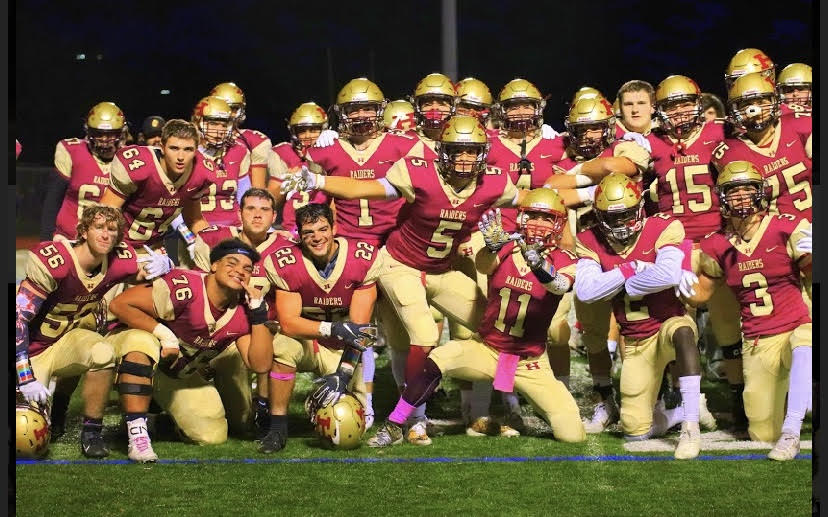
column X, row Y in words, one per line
column 449, row 477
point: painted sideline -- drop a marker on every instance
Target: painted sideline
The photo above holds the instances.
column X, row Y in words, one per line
column 484, row 459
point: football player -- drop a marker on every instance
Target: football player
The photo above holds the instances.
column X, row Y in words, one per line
column 433, row 101
column 256, row 142
column 305, row 125
column 82, row 167
column 712, row 107
column 636, row 100
column 754, row 61
column 231, row 160
column 325, row 294
column 447, row 196
column 527, row 281
column 761, row 256
column 186, row 346
column 473, row 98
column 795, row 86
column 60, row 313
column 399, row 115
column 258, row 212
column 637, row 263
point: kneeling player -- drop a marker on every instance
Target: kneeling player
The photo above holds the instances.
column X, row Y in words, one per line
column 615, row 262
column 325, row 294
column 193, row 318
column 59, row 313
column 526, row 285
column 760, row 256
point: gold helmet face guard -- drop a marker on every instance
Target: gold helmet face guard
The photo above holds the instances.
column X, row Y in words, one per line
column 741, row 174
column 752, row 103
column 105, row 127
column 678, row 105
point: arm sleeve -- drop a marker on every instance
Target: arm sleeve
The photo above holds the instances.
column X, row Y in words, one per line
column 399, row 179
column 55, row 191
column 666, row 272
column 592, row 284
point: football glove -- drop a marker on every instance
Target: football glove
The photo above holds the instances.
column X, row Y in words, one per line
column 156, row 264
column 330, row 388
column 302, row 181
column 326, row 138
column 804, row 245
column 355, row 335
column 491, row 227
column 639, row 139
column 548, row 132
column 33, row 391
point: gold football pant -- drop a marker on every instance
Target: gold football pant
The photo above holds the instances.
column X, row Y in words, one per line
column 644, row 363
column 77, row 352
column 472, row 360
column 766, row 362
column 410, row 292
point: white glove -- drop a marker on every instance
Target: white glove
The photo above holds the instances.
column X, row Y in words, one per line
column 34, row 391
column 548, row 133
column 302, row 181
column 639, row 139
column 804, row 245
column 157, row 264
column 640, row 265
column 166, row 337
column 326, row 138
column 686, row 282
column 491, row 227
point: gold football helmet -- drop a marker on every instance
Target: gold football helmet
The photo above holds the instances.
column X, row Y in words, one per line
column 214, row 120
column 462, row 134
column 585, row 92
column 547, row 204
column 399, row 114
column 472, row 97
column 342, row 424
column 234, row 97
column 305, row 124
column 742, row 190
column 433, row 87
column 105, row 128
column 678, row 105
column 752, row 102
column 749, row 61
column 795, row 84
column 32, row 429
column 520, row 92
column 618, row 207
column 591, row 127
column 359, row 107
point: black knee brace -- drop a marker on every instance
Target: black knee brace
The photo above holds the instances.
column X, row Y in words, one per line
column 138, row 370
column 733, row 351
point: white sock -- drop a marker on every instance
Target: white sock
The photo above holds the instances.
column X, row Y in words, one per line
column 368, row 365
column 510, row 400
column 689, row 386
column 565, row 380
column 137, row 428
column 481, row 398
column 664, row 419
column 612, row 346
column 398, row 360
column 799, row 389
column 369, row 400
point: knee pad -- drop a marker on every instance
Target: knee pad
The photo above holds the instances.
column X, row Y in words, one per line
column 633, row 426
column 102, row 356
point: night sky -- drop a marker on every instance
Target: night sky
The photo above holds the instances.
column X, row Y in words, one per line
column 277, row 52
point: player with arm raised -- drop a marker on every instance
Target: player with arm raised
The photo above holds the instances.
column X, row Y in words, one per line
column 527, row 281
column 636, row 262
column 60, row 313
column 762, row 256
column 187, row 346
column 325, row 294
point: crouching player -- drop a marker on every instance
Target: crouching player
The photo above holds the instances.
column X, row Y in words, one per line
column 527, row 280
column 760, row 256
column 60, row 313
column 325, row 294
column 637, row 262
column 185, row 324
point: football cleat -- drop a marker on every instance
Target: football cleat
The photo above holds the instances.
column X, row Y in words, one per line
column 417, row 434
column 261, row 419
column 706, row 419
column 786, row 448
column 606, row 413
column 140, row 449
column 93, row 445
column 388, row 434
column 272, row 441
column 689, row 441
column 483, row 426
column 513, row 426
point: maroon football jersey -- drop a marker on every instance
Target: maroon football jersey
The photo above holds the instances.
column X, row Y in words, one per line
column 324, row 299
column 73, row 296
column 784, row 163
column 257, row 143
column 763, row 276
column 427, row 239
column 219, row 205
column 87, row 178
column 213, row 235
column 203, row 332
column 518, row 308
column 685, row 184
column 643, row 317
column 543, row 155
column 296, row 200
column 361, row 218
column 151, row 200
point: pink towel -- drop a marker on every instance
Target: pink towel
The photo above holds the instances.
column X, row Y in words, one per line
column 505, row 373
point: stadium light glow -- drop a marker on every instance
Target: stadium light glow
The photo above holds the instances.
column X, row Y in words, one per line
column 165, row 92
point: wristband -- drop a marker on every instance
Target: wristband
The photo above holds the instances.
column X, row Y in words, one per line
column 257, row 316
column 24, row 370
column 187, row 234
column 325, row 328
column 543, row 275
column 627, row 269
column 586, row 194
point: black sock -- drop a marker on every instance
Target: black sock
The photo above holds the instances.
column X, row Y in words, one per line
column 92, row 425
column 279, row 423
column 604, row 391
column 60, row 403
column 134, row 416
